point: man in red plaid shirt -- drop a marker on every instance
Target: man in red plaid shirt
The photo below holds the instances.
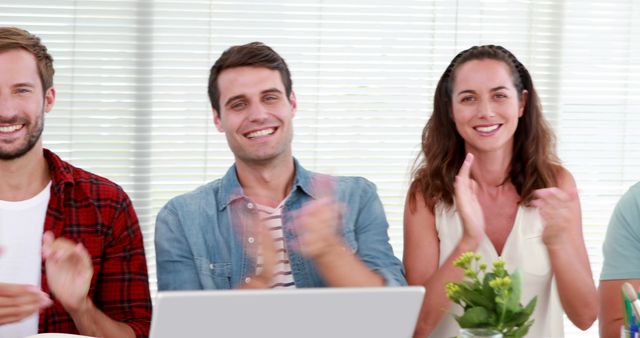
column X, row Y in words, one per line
column 72, row 258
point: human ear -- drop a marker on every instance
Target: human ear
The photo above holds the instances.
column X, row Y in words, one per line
column 49, row 99
column 216, row 120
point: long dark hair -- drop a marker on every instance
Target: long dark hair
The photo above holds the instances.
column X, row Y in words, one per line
column 534, row 159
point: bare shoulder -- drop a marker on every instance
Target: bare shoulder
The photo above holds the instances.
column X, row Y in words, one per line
column 564, row 178
column 416, row 206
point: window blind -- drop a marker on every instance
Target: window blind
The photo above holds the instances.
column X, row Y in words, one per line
column 132, row 75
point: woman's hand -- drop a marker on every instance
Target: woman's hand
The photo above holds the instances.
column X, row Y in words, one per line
column 467, row 203
column 556, row 208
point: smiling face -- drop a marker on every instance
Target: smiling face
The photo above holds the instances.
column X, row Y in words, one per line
column 22, row 104
column 486, row 105
column 255, row 114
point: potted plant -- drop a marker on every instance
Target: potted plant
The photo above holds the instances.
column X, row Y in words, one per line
column 490, row 300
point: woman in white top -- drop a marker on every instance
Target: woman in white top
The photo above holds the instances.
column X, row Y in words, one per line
column 489, row 181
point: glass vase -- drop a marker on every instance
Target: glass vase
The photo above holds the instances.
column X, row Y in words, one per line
column 479, row 333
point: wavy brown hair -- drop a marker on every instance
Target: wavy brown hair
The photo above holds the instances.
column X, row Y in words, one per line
column 534, row 159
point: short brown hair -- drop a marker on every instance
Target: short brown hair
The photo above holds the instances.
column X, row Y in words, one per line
column 255, row 54
column 12, row 38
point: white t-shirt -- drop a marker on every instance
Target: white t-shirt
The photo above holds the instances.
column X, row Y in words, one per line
column 21, row 228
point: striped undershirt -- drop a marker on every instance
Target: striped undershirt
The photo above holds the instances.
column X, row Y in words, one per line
column 272, row 219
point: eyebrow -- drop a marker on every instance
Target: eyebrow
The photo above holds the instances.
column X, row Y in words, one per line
column 470, row 91
column 24, row 84
column 240, row 96
column 233, row 98
column 271, row 90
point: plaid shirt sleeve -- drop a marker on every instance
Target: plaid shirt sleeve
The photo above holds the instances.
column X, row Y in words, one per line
column 96, row 212
column 122, row 287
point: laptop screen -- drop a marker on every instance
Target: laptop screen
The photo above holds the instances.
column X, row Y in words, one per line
column 384, row 312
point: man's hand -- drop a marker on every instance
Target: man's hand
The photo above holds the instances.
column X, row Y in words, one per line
column 69, row 271
column 317, row 225
column 318, row 222
column 18, row 301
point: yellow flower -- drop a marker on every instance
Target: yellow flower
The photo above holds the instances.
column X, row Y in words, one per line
column 464, row 260
column 498, row 268
column 500, row 282
column 452, row 291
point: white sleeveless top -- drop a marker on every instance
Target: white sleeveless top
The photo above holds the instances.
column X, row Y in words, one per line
column 524, row 248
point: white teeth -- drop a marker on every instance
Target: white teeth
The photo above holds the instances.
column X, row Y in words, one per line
column 487, row 129
column 10, row 129
column 259, row 133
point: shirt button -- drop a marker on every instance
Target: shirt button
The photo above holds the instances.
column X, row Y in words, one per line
column 250, row 240
column 247, row 280
column 211, row 266
column 250, row 205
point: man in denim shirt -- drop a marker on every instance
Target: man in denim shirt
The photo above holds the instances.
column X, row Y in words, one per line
column 326, row 231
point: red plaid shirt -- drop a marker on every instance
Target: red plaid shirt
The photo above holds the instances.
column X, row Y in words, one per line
column 90, row 209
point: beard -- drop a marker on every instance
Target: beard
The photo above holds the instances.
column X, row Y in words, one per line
column 34, row 131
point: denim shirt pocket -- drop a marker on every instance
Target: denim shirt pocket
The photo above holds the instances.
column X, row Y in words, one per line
column 214, row 275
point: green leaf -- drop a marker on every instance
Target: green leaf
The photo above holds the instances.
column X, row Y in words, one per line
column 487, row 292
column 474, row 317
column 493, row 319
column 513, row 303
column 477, row 298
column 517, row 319
column 531, row 306
column 521, row 331
column 520, row 317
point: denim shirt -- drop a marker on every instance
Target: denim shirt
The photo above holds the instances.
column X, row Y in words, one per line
column 198, row 247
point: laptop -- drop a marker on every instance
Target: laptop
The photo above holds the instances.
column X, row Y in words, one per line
column 380, row 312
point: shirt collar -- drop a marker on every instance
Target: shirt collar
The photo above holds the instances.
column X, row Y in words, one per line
column 60, row 171
column 231, row 190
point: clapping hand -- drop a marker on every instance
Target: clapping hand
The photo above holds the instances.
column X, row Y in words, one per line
column 467, row 203
column 69, row 270
column 557, row 209
column 18, row 301
column 317, row 223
